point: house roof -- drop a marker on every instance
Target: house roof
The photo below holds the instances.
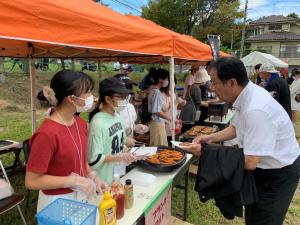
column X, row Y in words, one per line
column 275, row 36
column 273, row 19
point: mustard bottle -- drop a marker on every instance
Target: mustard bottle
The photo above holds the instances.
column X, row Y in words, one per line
column 107, row 210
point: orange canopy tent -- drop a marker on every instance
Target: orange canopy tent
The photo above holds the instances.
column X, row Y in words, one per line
column 85, row 29
column 184, row 47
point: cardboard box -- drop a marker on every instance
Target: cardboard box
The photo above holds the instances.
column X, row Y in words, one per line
column 175, row 221
column 5, row 189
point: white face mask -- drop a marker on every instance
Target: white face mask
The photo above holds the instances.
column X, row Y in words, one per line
column 88, row 104
column 165, row 83
column 121, row 105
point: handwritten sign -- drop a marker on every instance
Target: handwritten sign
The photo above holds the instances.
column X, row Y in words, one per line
column 161, row 211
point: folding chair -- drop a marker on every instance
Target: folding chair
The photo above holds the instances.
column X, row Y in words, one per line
column 12, row 201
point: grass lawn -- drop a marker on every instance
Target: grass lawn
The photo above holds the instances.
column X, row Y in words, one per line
column 15, row 124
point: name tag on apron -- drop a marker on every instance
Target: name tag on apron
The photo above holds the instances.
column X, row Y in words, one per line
column 120, row 169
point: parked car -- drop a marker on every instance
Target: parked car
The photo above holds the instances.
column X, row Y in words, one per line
column 137, row 68
column 88, row 66
column 117, row 66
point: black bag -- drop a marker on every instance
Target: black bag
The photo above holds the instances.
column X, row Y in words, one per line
column 297, row 97
column 145, row 115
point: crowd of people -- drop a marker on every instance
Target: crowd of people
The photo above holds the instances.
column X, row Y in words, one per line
column 73, row 159
column 284, row 90
column 265, row 134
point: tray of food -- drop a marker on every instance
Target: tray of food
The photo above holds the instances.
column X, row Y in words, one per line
column 199, row 130
column 166, row 159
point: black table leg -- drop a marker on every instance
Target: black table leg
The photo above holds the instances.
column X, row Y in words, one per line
column 17, row 161
column 186, row 190
column 183, row 173
column 17, row 165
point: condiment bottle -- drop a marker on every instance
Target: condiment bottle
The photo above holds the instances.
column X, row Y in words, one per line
column 107, row 210
column 128, row 194
column 117, row 191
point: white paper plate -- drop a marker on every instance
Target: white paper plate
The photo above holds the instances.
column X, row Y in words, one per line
column 176, row 143
column 143, row 151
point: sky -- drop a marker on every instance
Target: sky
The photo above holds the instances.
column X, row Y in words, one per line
column 259, row 8
column 256, row 8
column 117, row 6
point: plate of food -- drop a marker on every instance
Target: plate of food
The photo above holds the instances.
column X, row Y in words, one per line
column 192, row 133
column 208, row 130
column 197, row 128
column 200, row 130
column 165, row 160
column 180, row 143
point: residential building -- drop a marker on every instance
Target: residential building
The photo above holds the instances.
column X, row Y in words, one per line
column 277, row 35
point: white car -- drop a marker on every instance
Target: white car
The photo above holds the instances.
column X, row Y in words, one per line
column 116, row 66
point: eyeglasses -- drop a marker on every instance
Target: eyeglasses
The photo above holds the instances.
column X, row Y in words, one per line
column 214, row 83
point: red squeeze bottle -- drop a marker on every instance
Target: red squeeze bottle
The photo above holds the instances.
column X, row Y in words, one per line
column 118, row 193
column 120, row 200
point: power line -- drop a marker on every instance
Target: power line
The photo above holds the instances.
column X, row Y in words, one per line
column 259, row 12
column 130, row 3
column 127, row 5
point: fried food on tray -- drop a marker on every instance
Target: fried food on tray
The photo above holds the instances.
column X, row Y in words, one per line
column 192, row 133
column 165, row 156
column 208, row 130
column 197, row 128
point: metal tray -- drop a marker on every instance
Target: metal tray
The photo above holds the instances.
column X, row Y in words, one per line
column 162, row 167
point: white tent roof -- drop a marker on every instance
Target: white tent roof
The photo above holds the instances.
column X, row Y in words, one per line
column 255, row 58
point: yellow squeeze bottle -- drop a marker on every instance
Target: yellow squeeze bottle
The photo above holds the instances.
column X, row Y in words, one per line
column 107, row 210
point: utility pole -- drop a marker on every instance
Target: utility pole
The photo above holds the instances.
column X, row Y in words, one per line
column 244, row 30
column 231, row 44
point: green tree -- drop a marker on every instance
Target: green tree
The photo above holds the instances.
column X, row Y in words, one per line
column 177, row 15
column 197, row 17
column 294, row 15
column 223, row 22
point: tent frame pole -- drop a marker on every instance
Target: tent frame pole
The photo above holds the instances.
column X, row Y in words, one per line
column 99, row 70
column 32, row 93
column 172, row 93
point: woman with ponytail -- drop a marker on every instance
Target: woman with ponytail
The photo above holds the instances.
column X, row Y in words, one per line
column 57, row 163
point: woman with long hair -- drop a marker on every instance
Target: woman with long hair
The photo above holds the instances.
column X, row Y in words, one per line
column 158, row 135
column 166, row 96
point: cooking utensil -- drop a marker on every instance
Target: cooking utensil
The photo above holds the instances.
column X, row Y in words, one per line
column 163, row 167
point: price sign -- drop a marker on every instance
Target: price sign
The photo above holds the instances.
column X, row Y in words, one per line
column 160, row 213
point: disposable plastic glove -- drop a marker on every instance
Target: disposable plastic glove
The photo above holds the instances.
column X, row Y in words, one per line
column 125, row 157
column 141, row 128
column 101, row 186
column 130, row 142
column 79, row 183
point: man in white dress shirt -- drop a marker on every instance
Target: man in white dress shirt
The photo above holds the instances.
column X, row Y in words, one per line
column 265, row 132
